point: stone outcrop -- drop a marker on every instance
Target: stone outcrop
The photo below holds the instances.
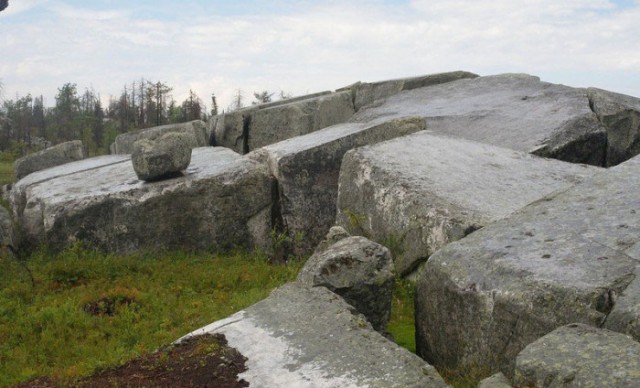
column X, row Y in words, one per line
column 250, row 128
column 621, row 116
column 568, row 258
column 222, row 200
column 577, row 355
column 359, row 270
column 307, row 169
column 520, row 112
column 166, row 156
column 124, row 142
column 423, row 191
column 50, row 157
column 365, row 93
column 309, row 337
column 496, row 381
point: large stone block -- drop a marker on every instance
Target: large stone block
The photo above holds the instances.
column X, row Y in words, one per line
column 221, row 201
column 7, row 234
column 309, row 337
column 514, row 111
column 50, row 157
column 307, row 169
column 359, row 270
column 568, row 258
column 577, row 355
column 124, row 143
column 621, row 116
column 420, row 192
column 365, row 93
column 250, row 128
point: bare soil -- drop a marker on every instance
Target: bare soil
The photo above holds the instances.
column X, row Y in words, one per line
column 202, row 361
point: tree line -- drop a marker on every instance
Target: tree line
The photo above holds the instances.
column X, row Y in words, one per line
column 26, row 125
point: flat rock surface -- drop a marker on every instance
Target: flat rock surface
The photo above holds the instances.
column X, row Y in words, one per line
column 426, row 190
column 515, row 111
column 213, row 204
column 570, row 257
column 309, row 337
column 577, row 355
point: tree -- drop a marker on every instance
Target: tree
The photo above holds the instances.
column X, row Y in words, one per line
column 214, row 105
column 284, row 95
column 192, row 107
column 65, row 112
column 262, row 97
column 238, row 101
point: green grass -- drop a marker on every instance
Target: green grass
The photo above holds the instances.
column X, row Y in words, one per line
column 47, row 329
column 61, row 327
column 401, row 325
column 6, row 173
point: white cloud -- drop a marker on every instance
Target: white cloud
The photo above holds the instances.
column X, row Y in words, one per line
column 323, row 46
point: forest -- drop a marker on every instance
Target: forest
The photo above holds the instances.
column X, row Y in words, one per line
column 26, row 125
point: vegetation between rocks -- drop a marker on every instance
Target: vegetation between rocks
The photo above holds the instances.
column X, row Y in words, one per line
column 89, row 311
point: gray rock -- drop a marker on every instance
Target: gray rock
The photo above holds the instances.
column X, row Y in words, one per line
column 307, row 169
column 359, row 270
column 50, row 157
column 7, row 236
column 511, row 110
column 568, row 258
column 577, row 355
column 309, row 337
column 367, row 93
column 165, row 156
column 335, row 234
column 250, row 128
column 417, row 193
column 496, row 381
column 219, row 202
column 124, row 143
column 621, row 116
column 625, row 315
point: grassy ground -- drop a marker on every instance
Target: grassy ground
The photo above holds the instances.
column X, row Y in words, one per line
column 6, row 173
column 87, row 311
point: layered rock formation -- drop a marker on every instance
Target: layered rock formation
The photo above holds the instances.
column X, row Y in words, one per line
column 451, row 171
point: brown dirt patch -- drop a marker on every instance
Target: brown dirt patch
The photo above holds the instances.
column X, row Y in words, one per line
column 202, row 361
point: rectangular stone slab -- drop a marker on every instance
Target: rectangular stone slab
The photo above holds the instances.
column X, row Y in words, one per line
column 308, row 337
column 222, row 200
column 570, row 257
column 515, row 111
column 307, row 169
column 419, row 192
column 124, row 142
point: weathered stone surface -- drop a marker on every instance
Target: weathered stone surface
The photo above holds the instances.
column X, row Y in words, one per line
column 625, row 315
column 50, row 157
column 366, row 93
column 621, row 116
column 213, row 205
column 577, row 355
column 307, row 169
column 17, row 194
column 569, row 258
column 310, row 337
column 422, row 191
column 335, row 234
column 359, row 270
column 6, row 229
column 124, row 143
column 251, row 128
column 496, row 381
column 514, row 111
column 165, row 156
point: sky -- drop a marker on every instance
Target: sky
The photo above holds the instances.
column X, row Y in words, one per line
column 303, row 47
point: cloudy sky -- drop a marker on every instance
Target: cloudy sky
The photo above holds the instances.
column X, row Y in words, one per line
column 308, row 46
